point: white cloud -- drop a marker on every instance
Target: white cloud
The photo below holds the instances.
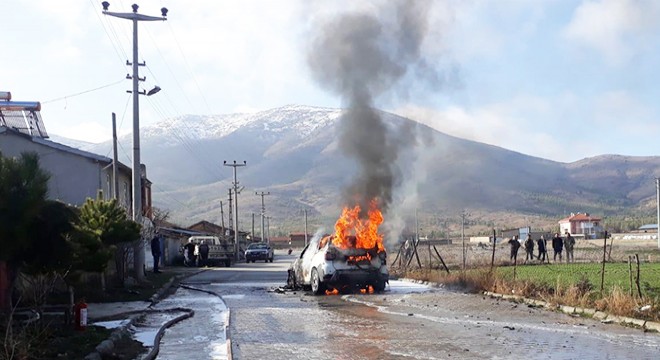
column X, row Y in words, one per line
column 520, row 125
column 616, row 28
column 88, row 131
column 622, row 111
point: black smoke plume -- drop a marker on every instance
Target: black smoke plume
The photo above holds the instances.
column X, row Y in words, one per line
column 360, row 57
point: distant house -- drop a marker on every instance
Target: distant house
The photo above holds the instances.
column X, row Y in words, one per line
column 298, row 239
column 209, row 228
column 581, row 224
column 648, row 227
column 75, row 175
column 279, row 242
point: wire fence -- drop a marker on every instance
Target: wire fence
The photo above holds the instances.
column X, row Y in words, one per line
column 627, row 262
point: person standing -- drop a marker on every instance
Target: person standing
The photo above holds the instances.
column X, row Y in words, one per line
column 569, row 244
column 189, row 251
column 557, row 246
column 203, row 253
column 529, row 248
column 155, row 252
column 541, row 244
column 515, row 245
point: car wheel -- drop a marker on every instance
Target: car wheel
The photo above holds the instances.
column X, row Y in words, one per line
column 318, row 287
column 291, row 280
column 227, row 263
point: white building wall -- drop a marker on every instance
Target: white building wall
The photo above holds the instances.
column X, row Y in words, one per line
column 73, row 177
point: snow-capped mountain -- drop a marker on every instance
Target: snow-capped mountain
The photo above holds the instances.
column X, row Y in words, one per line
column 292, row 151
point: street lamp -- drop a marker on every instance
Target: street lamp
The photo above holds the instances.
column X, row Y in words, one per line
column 138, row 253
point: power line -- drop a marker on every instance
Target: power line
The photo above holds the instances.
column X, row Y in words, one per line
column 82, row 92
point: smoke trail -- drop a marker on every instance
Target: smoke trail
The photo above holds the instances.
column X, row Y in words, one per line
column 360, row 57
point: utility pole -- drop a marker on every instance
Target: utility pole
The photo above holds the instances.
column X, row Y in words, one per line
column 305, row 210
column 463, row 216
column 138, row 249
column 657, row 198
column 416, row 228
column 115, row 180
column 268, row 228
column 263, row 214
column 252, row 227
column 235, row 183
column 231, row 209
column 222, row 217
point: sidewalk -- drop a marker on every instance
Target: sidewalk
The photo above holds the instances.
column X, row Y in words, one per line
column 153, row 319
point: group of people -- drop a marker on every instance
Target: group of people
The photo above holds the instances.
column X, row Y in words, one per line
column 558, row 243
column 195, row 254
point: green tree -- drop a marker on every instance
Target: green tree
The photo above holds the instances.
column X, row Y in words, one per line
column 23, row 191
column 109, row 227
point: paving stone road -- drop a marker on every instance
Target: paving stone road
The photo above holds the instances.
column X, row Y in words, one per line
column 437, row 325
column 402, row 324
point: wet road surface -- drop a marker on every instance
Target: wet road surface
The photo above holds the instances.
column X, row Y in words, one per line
column 402, row 323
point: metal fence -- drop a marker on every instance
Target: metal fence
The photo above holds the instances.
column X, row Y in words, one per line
column 630, row 262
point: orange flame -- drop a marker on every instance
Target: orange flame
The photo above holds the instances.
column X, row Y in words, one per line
column 332, row 292
column 368, row 290
column 351, row 231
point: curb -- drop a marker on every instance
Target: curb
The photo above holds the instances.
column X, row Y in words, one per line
column 230, row 354
column 571, row 310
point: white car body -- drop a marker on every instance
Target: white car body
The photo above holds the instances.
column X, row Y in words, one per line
column 340, row 272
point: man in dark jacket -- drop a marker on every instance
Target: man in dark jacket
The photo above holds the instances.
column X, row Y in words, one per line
column 557, row 246
column 189, row 249
column 529, row 248
column 569, row 244
column 541, row 244
column 155, row 251
column 515, row 245
column 203, row 253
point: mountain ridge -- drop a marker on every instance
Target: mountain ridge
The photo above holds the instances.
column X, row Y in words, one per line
column 293, row 152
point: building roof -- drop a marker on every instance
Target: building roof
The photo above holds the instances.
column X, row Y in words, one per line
column 279, row 239
column 22, row 116
column 648, row 227
column 62, row 147
column 579, row 217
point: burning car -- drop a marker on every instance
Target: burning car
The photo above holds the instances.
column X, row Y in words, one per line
column 353, row 258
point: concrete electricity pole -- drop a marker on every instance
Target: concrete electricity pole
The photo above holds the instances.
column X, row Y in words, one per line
column 463, row 216
column 305, row 210
column 138, row 250
column 263, row 214
column 657, row 198
column 230, row 217
column 235, row 183
column 115, row 179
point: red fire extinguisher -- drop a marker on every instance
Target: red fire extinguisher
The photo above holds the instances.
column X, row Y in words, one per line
column 80, row 311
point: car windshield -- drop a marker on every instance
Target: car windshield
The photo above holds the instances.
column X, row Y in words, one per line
column 258, row 246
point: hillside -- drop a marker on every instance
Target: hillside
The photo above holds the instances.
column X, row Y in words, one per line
column 293, row 153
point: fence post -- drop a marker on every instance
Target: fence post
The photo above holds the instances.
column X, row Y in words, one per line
column 639, row 290
column 602, row 272
column 492, row 260
column 630, row 275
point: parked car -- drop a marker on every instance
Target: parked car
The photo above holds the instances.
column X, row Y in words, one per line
column 259, row 251
column 323, row 266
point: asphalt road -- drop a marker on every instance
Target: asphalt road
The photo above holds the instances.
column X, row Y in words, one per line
column 406, row 322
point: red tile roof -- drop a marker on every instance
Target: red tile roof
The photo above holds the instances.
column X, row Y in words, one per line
column 579, row 218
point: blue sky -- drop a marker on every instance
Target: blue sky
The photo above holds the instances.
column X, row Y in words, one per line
column 561, row 80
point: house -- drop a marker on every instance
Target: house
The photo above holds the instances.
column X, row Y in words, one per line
column 298, row 239
column 648, row 228
column 581, row 224
column 75, row 174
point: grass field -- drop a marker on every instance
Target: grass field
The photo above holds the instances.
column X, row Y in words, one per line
column 616, row 275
